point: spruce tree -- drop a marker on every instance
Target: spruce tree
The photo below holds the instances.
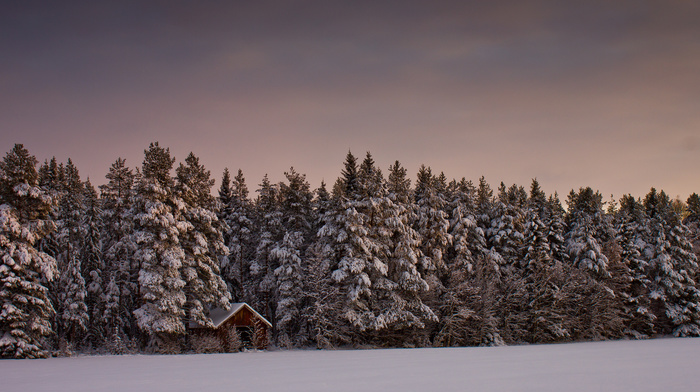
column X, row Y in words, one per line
column 323, row 315
column 587, row 230
column 202, row 243
column 269, row 231
column 506, row 231
column 239, row 216
column 295, row 203
column 357, row 250
column 93, row 267
column 118, row 248
column 405, row 313
column 71, row 291
column 631, row 224
column 596, row 306
column 672, row 269
column 25, row 319
column 157, row 231
column 488, row 276
column 431, row 222
column 458, row 318
column 692, row 221
column 544, row 275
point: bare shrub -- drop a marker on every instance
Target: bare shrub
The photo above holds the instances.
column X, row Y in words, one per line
column 205, row 344
column 165, row 344
column 233, row 341
column 260, row 336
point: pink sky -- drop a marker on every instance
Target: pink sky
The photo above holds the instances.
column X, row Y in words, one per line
column 601, row 94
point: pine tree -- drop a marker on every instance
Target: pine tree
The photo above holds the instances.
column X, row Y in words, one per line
column 488, row 275
column 557, row 227
column 70, row 291
column 26, row 312
column 404, row 311
column 238, row 214
column 118, row 248
column 270, row 232
column 295, row 202
column 431, row 222
column 358, row 248
column 202, row 243
column 597, row 310
column 363, row 260
column 457, row 317
column 672, row 269
column 93, row 267
column 544, row 274
column 506, row 231
column 631, row 225
column 225, row 195
column 51, row 179
column 73, row 314
column 692, row 221
column 586, row 233
column 158, row 228
column 326, row 302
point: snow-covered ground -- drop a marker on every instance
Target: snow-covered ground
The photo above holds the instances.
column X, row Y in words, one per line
column 652, row 365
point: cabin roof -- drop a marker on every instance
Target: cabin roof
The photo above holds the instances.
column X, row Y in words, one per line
column 219, row 316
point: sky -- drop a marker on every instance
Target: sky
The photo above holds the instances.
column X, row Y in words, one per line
column 603, row 94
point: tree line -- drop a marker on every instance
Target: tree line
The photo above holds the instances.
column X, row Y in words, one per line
column 374, row 261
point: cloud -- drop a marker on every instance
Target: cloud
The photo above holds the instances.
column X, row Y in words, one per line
column 512, row 90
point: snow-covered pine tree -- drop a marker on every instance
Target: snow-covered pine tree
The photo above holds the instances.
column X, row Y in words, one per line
column 587, row 228
column 49, row 175
column 692, row 221
column 543, row 274
column 432, row 224
column 118, row 247
column 463, row 226
column 631, row 226
column 51, row 181
column 269, row 232
column 289, row 253
column 325, row 303
column 456, row 315
column 505, row 236
column 225, row 194
column 239, row 216
column 672, row 269
column 26, row 311
column 92, row 264
column 157, row 231
column 595, row 308
column 202, row 243
column 557, row 228
column 363, row 266
column 488, row 275
column 404, row 311
column 70, row 291
column 506, row 232
column 73, row 315
column 355, row 256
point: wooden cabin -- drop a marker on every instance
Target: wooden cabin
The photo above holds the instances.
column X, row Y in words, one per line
column 250, row 325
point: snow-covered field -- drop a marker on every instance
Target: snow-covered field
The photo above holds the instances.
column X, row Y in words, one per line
column 652, row 365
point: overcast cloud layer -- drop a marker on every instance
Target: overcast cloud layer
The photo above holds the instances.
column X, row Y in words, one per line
column 601, row 94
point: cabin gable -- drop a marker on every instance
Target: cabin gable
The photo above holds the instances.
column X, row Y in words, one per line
column 251, row 327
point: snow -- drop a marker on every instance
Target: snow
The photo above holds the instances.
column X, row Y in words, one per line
column 650, row 365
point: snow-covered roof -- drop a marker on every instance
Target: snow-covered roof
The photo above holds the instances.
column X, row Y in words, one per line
column 219, row 316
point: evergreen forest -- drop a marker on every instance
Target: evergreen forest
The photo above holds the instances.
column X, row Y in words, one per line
column 376, row 259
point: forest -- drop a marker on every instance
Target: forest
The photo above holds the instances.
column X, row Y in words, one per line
column 373, row 260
